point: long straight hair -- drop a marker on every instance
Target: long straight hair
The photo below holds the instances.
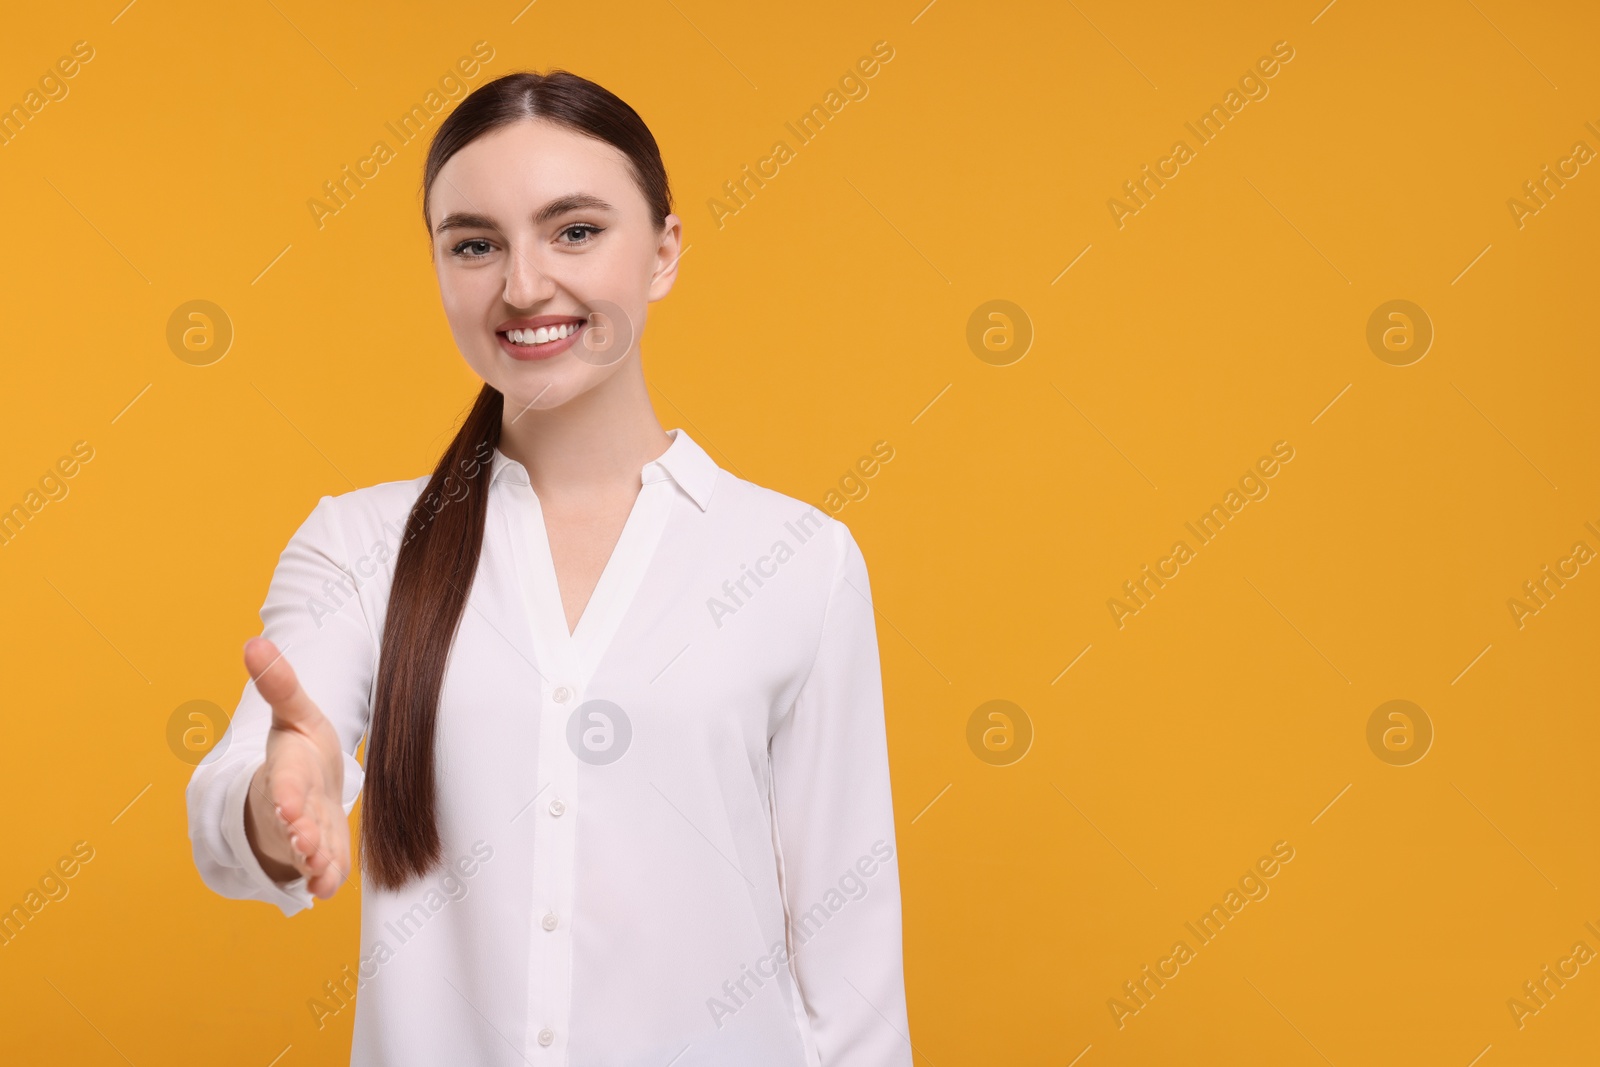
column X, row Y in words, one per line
column 444, row 533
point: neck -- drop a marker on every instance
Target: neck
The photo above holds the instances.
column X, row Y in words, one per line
column 594, row 445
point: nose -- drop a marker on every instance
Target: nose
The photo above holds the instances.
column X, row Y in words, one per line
column 526, row 284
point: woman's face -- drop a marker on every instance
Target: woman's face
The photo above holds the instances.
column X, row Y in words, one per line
column 539, row 230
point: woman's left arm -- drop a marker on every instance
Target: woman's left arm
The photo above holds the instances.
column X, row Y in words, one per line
column 835, row 816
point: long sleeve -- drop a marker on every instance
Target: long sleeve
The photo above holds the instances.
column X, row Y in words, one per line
column 313, row 614
column 835, row 821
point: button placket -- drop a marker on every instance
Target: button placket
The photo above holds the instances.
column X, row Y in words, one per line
column 554, row 844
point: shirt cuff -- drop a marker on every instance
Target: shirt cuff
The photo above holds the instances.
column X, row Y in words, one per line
column 290, row 897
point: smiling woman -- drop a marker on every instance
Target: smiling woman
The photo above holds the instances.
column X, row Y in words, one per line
column 662, row 790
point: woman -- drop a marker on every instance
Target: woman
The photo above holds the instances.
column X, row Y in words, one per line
column 626, row 782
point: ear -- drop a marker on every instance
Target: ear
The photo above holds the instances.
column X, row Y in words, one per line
column 669, row 250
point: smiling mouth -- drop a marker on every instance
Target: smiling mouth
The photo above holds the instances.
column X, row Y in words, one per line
column 543, row 335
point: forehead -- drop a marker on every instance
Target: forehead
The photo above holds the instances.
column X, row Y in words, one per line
column 510, row 172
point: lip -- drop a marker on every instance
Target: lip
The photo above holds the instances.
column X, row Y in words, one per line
column 528, row 353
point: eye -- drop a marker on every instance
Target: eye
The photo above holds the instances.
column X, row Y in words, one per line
column 583, row 228
column 472, row 248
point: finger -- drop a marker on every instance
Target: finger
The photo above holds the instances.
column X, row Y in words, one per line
column 292, row 707
column 336, row 844
column 290, row 789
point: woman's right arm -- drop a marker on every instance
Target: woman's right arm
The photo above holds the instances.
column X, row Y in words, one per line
column 285, row 773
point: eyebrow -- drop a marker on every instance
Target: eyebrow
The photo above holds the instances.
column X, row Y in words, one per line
column 561, row 205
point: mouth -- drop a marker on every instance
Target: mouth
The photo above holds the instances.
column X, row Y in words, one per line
column 540, row 338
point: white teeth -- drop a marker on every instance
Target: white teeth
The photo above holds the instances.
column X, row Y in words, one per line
column 543, row 335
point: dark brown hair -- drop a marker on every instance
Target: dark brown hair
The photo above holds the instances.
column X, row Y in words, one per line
column 444, row 533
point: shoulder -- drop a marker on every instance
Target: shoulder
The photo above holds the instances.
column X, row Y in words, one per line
column 755, row 512
column 371, row 516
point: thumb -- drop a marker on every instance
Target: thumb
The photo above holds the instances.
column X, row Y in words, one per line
column 292, row 707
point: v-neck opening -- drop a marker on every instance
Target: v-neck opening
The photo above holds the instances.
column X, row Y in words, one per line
column 575, row 653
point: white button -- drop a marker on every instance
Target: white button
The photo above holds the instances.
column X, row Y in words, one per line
column 550, row 921
column 546, row 1036
column 556, row 808
column 561, row 694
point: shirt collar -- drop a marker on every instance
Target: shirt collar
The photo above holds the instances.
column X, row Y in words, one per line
column 684, row 462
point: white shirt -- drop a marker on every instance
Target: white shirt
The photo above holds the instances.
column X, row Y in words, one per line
column 709, row 873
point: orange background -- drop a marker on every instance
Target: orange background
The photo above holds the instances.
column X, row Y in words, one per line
column 829, row 313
